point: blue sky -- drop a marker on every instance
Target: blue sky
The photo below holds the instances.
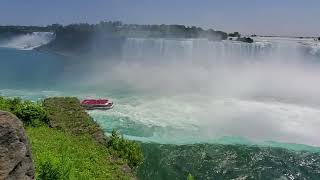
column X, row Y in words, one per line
column 268, row 17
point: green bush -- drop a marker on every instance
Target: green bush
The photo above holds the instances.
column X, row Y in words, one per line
column 128, row 150
column 78, row 157
column 50, row 171
column 4, row 106
column 190, row 177
column 30, row 113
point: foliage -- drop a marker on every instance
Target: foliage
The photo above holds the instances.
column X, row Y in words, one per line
column 106, row 37
column 50, row 171
column 66, row 113
column 60, row 155
column 128, row 150
column 31, row 113
column 190, row 177
column 23, row 29
column 235, row 34
column 76, row 146
column 245, row 39
column 116, row 28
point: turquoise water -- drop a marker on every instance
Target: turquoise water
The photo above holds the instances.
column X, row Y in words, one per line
column 28, row 69
column 182, row 129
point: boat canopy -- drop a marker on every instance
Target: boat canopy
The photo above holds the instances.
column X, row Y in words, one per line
column 94, row 101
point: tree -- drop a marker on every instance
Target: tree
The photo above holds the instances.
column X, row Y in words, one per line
column 235, row 34
column 245, row 39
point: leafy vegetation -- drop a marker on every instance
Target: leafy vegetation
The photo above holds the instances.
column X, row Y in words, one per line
column 106, row 37
column 126, row 149
column 29, row 112
column 60, row 155
column 17, row 30
column 66, row 114
column 190, row 177
column 245, row 39
column 235, row 34
column 117, row 28
column 50, row 171
column 66, row 143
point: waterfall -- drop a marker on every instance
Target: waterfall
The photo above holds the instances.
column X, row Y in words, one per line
column 204, row 51
column 28, row 41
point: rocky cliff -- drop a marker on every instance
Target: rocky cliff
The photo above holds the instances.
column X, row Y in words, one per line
column 15, row 155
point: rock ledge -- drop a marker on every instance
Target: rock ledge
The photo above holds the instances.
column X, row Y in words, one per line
column 15, row 154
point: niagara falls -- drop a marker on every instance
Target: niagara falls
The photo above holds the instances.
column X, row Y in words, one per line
column 199, row 96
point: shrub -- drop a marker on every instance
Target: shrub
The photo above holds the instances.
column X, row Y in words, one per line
column 3, row 104
column 235, row 34
column 245, row 39
column 30, row 113
column 190, row 177
column 128, row 150
column 48, row 170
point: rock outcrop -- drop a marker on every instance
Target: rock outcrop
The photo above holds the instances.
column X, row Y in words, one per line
column 15, row 154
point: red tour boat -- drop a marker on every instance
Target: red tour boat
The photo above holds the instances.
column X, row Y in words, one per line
column 102, row 104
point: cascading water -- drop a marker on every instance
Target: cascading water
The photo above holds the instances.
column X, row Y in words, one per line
column 178, row 92
column 28, row 41
column 201, row 91
column 201, row 50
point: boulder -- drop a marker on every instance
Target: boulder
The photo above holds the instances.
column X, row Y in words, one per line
column 15, row 154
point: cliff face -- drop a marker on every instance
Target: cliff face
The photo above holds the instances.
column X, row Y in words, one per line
column 15, row 155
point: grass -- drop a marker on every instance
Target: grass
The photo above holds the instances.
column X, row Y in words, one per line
column 66, row 114
column 126, row 149
column 80, row 156
column 30, row 113
column 66, row 142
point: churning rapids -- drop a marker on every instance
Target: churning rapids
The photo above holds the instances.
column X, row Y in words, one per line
column 185, row 91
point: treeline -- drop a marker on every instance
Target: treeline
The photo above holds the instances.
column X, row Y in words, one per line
column 107, row 37
column 23, row 29
column 118, row 29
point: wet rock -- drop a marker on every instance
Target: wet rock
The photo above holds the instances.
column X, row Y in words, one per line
column 15, row 154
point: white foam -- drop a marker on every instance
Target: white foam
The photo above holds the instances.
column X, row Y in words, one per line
column 28, row 41
column 195, row 118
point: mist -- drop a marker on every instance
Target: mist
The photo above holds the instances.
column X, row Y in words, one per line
column 185, row 94
column 284, row 74
column 191, row 91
